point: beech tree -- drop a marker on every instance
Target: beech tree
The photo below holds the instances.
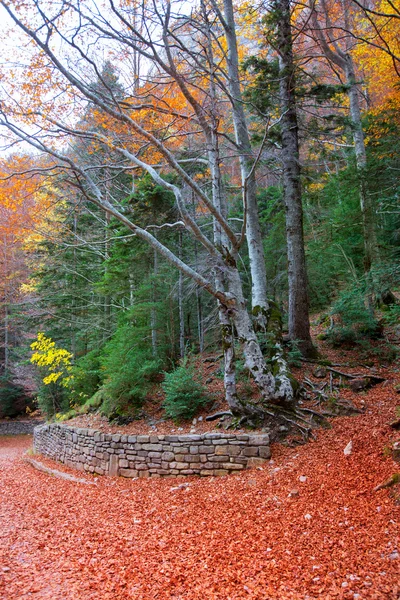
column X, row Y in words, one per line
column 191, row 92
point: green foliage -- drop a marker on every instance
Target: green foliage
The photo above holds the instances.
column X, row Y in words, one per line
column 184, row 393
column 86, row 378
column 52, row 399
column 294, row 355
column 128, row 365
column 357, row 321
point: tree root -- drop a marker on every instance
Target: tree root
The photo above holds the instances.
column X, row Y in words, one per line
column 393, row 480
column 217, row 415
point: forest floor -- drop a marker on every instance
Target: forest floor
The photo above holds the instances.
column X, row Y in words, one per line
column 306, row 525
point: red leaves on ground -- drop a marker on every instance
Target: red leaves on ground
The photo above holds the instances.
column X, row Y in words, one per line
column 229, row 538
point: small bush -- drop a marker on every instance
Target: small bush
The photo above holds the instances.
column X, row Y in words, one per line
column 184, row 394
column 52, row 399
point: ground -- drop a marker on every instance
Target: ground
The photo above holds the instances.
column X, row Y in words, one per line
column 307, row 525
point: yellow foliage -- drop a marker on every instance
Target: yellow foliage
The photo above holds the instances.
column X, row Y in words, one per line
column 56, row 362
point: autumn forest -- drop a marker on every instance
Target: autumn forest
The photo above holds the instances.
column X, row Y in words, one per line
column 194, row 179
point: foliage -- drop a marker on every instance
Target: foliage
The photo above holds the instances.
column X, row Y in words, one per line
column 54, row 362
column 184, row 393
column 86, row 378
column 13, row 400
column 128, row 365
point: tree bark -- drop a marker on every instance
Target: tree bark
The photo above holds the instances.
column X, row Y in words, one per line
column 299, row 322
column 253, row 229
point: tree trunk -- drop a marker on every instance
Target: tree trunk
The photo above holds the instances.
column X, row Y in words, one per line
column 367, row 210
column 299, row 322
column 180, row 305
column 253, row 228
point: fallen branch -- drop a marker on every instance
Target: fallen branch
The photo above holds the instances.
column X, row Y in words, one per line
column 395, row 478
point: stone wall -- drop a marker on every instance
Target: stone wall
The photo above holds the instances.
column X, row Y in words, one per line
column 18, row 427
column 151, row 455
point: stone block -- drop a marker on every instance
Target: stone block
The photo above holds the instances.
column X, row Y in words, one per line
column 180, row 465
column 123, row 463
column 168, row 456
column 250, row 451
column 265, row 452
column 154, row 454
column 212, row 436
column 128, row 473
column 206, row 450
column 189, row 438
column 143, row 439
column 259, row 440
column 229, row 450
column 113, row 466
column 232, row 466
column 171, row 438
column 194, row 449
column 195, row 458
column 153, row 447
column 143, row 474
column 131, row 439
column 221, row 472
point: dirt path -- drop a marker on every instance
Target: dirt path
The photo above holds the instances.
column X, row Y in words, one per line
column 230, row 538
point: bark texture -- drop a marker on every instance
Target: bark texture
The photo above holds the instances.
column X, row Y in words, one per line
column 299, row 322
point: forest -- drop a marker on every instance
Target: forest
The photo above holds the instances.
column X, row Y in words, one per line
column 191, row 181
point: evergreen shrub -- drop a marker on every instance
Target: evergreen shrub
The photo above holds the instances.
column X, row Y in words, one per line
column 184, row 393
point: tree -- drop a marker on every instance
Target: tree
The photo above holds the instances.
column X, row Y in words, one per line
column 299, row 322
column 136, row 134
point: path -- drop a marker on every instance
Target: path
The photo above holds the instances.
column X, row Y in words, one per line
column 230, row 538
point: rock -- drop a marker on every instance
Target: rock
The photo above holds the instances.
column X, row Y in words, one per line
column 394, row 555
column 308, row 517
column 349, row 448
column 200, row 419
column 396, row 452
column 194, row 422
column 302, row 478
column 320, row 372
column 360, row 384
column 294, row 493
column 209, row 380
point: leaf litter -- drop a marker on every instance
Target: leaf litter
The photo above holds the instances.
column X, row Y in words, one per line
column 254, row 535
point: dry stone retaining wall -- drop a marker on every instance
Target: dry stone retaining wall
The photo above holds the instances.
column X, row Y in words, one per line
column 18, row 427
column 150, row 455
